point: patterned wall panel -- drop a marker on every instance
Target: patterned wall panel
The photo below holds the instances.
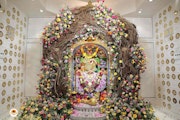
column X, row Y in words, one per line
column 12, row 58
column 166, row 34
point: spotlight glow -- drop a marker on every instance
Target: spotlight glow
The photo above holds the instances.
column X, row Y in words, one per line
column 41, row 10
column 139, row 11
column 13, row 112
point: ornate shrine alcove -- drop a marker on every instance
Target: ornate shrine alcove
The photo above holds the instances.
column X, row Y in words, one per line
column 90, row 71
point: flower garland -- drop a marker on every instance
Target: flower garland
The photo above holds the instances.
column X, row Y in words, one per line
column 130, row 87
column 47, row 77
column 138, row 58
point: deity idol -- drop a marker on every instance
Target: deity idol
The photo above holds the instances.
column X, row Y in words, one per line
column 90, row 75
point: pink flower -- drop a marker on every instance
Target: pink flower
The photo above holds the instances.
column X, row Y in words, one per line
column 127, row 109
column 28, row 108
column 92, row 82
column 143, row 109
column 114, row 17
column 110, row 9
column 41, row 112
column 129, row 115
column 62, row 117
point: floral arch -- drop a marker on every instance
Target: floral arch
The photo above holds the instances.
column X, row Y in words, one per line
column 69, row 31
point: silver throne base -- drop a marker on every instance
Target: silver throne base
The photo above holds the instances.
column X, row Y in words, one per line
column 86, row 112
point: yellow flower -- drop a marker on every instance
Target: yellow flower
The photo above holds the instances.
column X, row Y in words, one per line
column 32, row 110
column 107, row 117
column 22, row 107
column 49, row 115
column 39, row 118
column 113, row 46
column 114, row 114
column 136, row 111
column 69, row 16
column 32, row 103
column 70, row 111
column 57, row 28
column 132, row 61
column 102, row 110
column 121, row 33
column 118, row 111
column 58, row 20
column 141, row 48
column 123, row 113
column 134, row 115
column 115, row 73
column 120, row 61
column 66, row 57
column 58, row 36
column 107, row 112
column 126, row 35
column 123, row 25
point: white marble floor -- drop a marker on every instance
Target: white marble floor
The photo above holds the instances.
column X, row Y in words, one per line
column 162, row 116
column 160, row 113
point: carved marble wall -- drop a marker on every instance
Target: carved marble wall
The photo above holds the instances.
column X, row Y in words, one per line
column 13, row 28
column 167, row 43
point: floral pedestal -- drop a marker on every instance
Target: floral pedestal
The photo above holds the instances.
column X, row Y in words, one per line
column 87, row 112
